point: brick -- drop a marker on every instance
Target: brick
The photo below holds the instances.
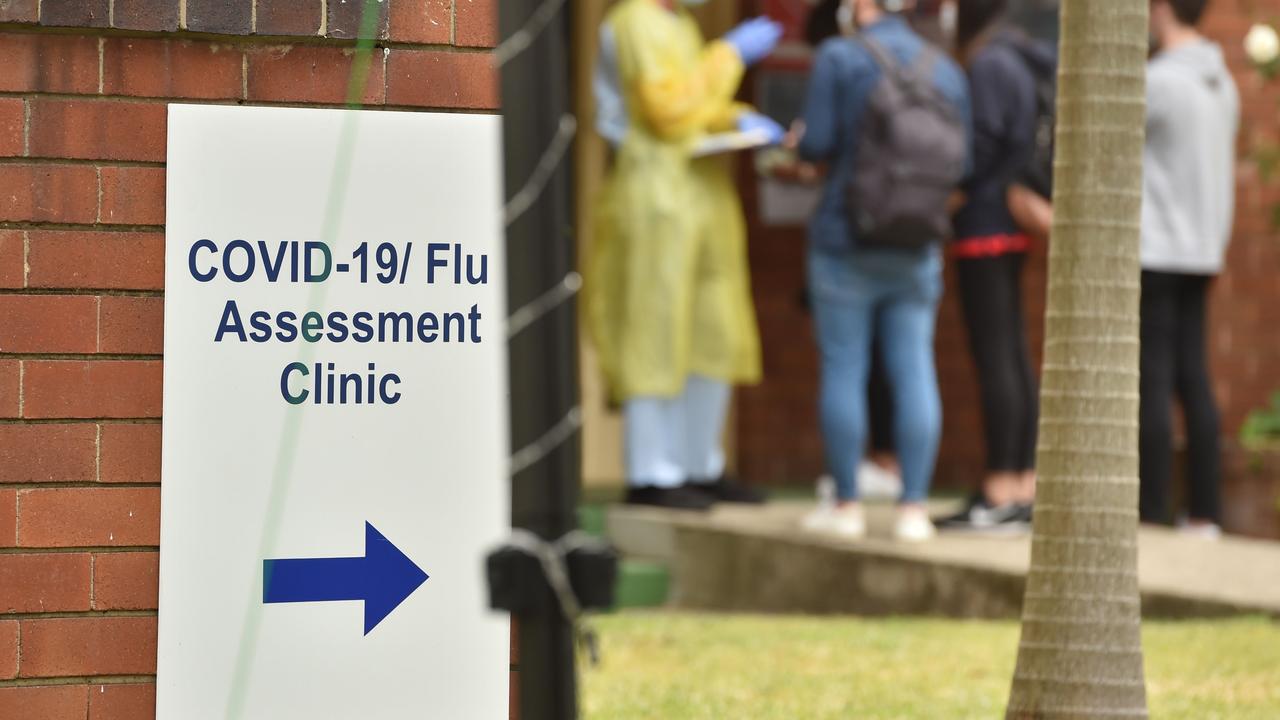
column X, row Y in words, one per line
column 46, row 702
column 75, row 13
column 143, row 67
column 97, row 129
column 156, row 15
column 130, row 453
column 310, row 74
column 477, row 23
column 131, row 325
column 12, row 120
column 80, row 646
column 289, row 17
column 48, row 324
column 421, row 21
column 440, row 79
column 122, row 702
column 48, row 193
column 10, row 388
column 91, row 389
column 219, row 16
column 48, row 453
column 132, row 195
column 12, row 250
column 8, row 649
column 19, row 11
column 126, row 581
column 8, row 518
column 89, row 517
column 346, row 18
column 108, row 260
column 44, row 582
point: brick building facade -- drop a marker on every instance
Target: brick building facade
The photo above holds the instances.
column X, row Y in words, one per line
column 83, row 88
column 778, row 440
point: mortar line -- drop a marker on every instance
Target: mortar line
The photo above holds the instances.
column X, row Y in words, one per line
column 82, row 357
column 26, row 127
column 80, row 421
column 120, row 550
column 78, row 680
column 102, row 45
column 76, row 292
column 92, row 598
column 311, row 40
column 97, row 466
column 79, row 485
column 97, row 173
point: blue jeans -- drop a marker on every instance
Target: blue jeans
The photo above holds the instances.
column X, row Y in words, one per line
column 894, row 294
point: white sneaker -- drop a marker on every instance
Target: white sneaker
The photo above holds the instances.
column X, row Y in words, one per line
column 876, row 483
column 913, row 526
column 846, row 521
column 1201, row 530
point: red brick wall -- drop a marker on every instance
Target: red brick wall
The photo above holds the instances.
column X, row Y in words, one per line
column 83, row 87
column 778, row 439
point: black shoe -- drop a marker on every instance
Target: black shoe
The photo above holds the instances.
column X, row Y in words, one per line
column 731, row 491
column 682, row 497
column 981, row 516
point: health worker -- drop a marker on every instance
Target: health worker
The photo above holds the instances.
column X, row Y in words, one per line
column 667, row 297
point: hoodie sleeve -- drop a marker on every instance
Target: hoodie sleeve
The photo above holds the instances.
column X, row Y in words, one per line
column 993, row 96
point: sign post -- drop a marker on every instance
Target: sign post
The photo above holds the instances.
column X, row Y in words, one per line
column 335, row 416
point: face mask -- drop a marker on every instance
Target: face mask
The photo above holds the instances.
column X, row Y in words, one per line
column 948, row 18
column 845, row 20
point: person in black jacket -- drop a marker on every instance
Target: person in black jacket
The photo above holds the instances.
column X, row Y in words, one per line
column 994, row 229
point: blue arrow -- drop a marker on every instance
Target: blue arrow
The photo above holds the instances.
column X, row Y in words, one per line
column 383, row 578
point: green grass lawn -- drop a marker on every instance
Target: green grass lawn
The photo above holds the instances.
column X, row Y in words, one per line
column 672, row 666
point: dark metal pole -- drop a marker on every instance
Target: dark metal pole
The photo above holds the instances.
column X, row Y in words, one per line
column 543, row 356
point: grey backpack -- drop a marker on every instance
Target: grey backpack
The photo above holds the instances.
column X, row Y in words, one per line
column 911, row 152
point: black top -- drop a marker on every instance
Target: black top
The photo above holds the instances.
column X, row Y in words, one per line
column 1002, row 88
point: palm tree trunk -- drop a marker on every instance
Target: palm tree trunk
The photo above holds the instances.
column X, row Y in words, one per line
column 1081, row 650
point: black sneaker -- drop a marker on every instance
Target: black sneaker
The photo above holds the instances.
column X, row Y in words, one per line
column 731, row 491
column 681, row 497
column 981, row 516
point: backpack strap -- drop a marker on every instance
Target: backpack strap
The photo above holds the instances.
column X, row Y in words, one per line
column 879, row 53
column 920, row 68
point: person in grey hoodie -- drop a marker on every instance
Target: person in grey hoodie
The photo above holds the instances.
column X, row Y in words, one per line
column 1193, row 116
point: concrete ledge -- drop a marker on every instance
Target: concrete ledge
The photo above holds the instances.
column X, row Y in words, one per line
column 758, row 560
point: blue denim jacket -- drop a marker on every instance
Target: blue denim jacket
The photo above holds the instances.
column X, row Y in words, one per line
column 843, row 77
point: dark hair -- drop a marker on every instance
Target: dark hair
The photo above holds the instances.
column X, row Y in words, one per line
column 975, row 16
column 821, row 23
column 1189, row 12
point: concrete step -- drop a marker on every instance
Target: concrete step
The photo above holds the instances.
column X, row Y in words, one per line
column 757, row 559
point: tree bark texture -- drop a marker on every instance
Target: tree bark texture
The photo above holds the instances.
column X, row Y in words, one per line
column 1080, row 654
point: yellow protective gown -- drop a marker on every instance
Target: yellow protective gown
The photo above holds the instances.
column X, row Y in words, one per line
column 667, row 291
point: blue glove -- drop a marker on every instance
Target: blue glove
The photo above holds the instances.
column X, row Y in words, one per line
column 754, row 121
column 755, row 38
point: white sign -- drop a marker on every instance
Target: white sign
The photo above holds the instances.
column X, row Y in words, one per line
column 335, row 421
